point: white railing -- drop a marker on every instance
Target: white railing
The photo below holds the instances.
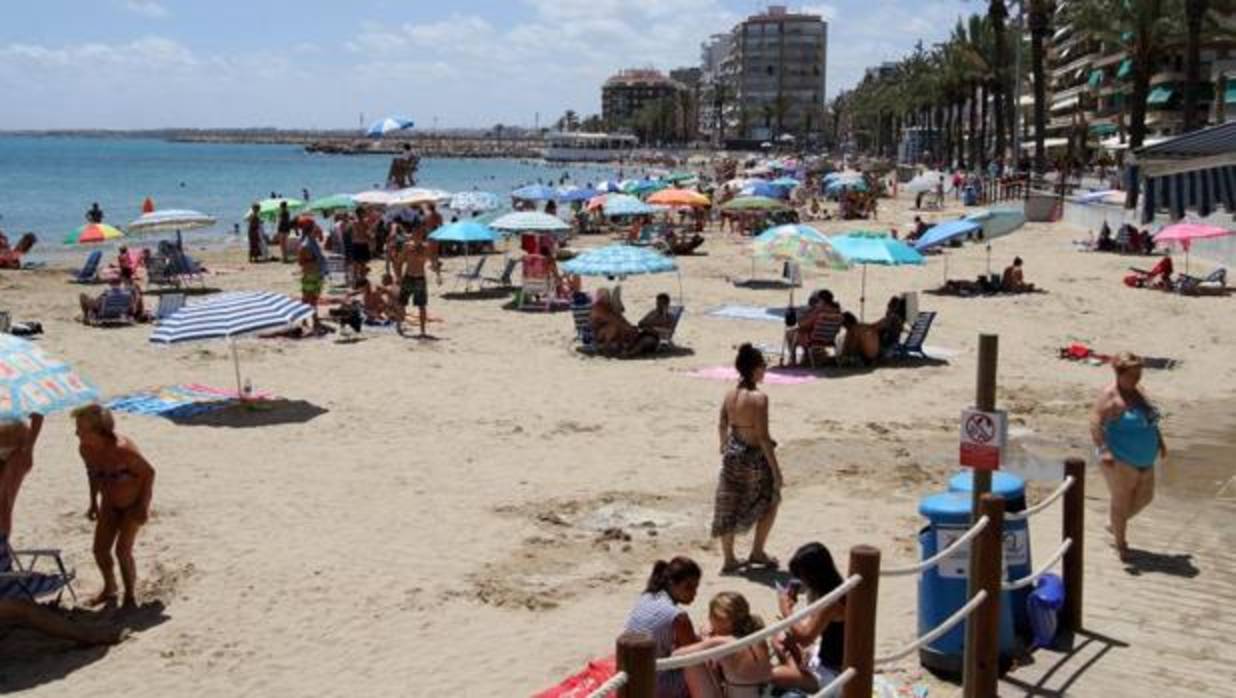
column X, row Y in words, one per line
column 934, row 634
column 835, row 685
column 1048, row 501
column 1034, row 576
column 614, row 683
column 939, row 557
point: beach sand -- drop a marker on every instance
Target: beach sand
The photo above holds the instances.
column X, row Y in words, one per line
column 474, row 515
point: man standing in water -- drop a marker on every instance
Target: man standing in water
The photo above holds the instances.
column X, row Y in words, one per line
column 410, row 269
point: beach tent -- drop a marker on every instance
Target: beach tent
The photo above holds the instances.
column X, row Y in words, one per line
column 1193, row 172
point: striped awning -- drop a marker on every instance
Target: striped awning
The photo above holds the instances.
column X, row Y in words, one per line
column 1194, row 172
column 230, row 315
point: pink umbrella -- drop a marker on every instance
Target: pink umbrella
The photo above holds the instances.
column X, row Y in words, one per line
column 1186, row 233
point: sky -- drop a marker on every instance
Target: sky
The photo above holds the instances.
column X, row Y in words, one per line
column 322, row 64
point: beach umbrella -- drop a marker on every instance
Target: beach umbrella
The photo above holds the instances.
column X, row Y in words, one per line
column 620, row 205
column 679, row 197
column 644, row 186
column 765, row 189
column 786, row 182
column 609, row 187
column 571, row 194
column 834, row 187
column 414, row 196
column 92, row 233
column 170, row 219
column 680, row 177
column 1184, row 234
column 927, row 182
column 530, row 221
column 620, row 261
column 535, row 192
column 753, row 203
column 390, row 124
column 373, row 197
column 599, row 201
column 874, row 248
column 31, row 381
column 943, row 233
column 465, row 232
column 328, row 205
column 475, row 201
column 228, row 316
column 801, row 244
column 268, row 209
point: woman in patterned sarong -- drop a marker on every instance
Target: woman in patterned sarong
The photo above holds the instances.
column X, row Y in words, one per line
column 749, row 486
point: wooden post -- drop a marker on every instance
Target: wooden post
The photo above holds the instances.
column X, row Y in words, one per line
column 982, row 649
column 1074, row 558
column 985, row 400
column 637, row 655
column 860, row 621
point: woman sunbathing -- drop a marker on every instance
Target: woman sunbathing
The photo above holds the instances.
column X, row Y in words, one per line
column 613, row 333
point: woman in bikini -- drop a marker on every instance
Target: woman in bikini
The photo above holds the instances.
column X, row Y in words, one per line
column 749, row 487
column 821, row 635
column 742, row 674
column 121, row 486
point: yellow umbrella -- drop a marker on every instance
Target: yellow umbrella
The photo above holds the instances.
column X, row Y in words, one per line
column 679, row 197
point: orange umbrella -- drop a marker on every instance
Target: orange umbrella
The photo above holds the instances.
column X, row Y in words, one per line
column 679, row 197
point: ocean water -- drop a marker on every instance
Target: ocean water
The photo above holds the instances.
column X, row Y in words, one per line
column 46, row 184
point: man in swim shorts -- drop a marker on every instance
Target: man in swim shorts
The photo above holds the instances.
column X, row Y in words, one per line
column 410, row 268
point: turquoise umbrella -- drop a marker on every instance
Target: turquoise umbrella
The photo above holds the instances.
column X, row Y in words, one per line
column 874, row 248
column 622, row 205
column 619, row 260
column 328, row 205
column 465, row 232
column 31, row 381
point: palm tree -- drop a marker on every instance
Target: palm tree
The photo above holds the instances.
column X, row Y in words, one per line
column 1040, row 13
column 1200, row 20
column 998, row 13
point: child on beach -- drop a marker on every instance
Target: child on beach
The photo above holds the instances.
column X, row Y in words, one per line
column 739, row 675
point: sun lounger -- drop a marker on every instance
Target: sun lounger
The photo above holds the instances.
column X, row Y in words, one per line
column 115, row 309
column 90, row 270
column 504, row 279
column 168, row 304
column 582, row 316
column 913, row 343
column 20, row 580
column 470, row 275
column 823, row 338
column 1195, row 285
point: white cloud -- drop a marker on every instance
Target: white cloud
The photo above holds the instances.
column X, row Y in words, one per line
column 147, row 8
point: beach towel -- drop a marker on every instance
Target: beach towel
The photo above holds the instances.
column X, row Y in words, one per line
column 178, row 401
column 582, row 684
column 774, row 376
column 1080, row 352
column 751, row 312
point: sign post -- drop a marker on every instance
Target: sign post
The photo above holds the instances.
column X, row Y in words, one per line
column 984, row 401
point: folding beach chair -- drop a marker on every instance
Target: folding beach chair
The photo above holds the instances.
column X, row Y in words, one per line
column 536, row 282
column 913, row 343
column 823, row 338
column 116, row 309
column 168, row 304
column 503, row 280
column 20, row 580
column 792, row 274
column 667, row 334
column 470, row 275
column 337, row 271
column 89, row 272
column 582, row 316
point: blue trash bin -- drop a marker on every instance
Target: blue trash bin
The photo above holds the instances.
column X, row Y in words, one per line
column 1017, row 559
column 970, row 196
column 943, row 589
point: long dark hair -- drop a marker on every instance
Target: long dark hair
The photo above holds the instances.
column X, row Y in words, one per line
column 813, row 564
column 749, row 359
column 666, row 574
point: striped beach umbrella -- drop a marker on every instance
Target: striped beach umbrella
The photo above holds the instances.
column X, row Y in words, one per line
column 530, row 221
column 92, row 233
column 170, row 219
column 231, row 315
column 619, row 260
column 31, row 381
column 390, row 124
column 475, row 201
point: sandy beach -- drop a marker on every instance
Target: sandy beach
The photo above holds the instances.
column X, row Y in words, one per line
column 474, row 515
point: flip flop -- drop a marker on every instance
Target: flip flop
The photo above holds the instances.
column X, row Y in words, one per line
column 765, row 561
column 732, row 569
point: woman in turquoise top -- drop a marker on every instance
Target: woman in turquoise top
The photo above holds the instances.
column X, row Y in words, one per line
column 1125, row 429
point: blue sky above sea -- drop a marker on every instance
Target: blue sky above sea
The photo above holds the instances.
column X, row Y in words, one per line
column 161, row 63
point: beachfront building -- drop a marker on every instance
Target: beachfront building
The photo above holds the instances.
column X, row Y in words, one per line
column 715, row 90
column 691, row 79
column 769, row 82
column 1089, row 87
column 645, row 102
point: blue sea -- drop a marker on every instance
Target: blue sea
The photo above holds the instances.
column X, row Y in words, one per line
column 47, row 183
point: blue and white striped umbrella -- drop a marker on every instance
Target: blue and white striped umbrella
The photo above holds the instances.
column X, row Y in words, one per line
column 381, row 127
column 230, row 315
column 619, row 260
column 475, row 201
column 569, row 194
column 625, row 205
column 170, row 219
column 531, row 221
column 535, row 192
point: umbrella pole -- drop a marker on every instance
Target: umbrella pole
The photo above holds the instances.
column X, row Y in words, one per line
column 945, row 279
column 862, row 297
column 679, row 272
column 989, row 259
column 236, row 365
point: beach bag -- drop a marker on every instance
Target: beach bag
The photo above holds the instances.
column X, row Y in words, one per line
column 1042, row 606
column 582, row 684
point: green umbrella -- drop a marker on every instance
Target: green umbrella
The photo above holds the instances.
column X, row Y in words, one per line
column 753, row 203
column 681, row 177
column 268, row 209
column 328, row 205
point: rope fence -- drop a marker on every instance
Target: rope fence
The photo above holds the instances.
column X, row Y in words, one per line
column 936, row 632
column 1048, row 501
column 686, row 660
column 1035, row 575
column 939, row 557
column 836, row 684
column 614, row 683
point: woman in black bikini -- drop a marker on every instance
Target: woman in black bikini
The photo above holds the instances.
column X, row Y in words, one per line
column 121, row 486
column 749, row 487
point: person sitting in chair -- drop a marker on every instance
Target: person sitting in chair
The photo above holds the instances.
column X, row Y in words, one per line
column 659, row 319
column 1013, row 280
column 614, row 334
column 91, row 307
column 862, row 340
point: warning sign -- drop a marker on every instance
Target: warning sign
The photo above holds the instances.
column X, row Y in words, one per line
column 957, row 565
column 983, row 435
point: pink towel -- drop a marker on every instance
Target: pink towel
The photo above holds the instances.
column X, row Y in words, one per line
column 774, row 376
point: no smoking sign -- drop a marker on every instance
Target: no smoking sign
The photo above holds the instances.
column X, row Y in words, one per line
column 983, row 435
